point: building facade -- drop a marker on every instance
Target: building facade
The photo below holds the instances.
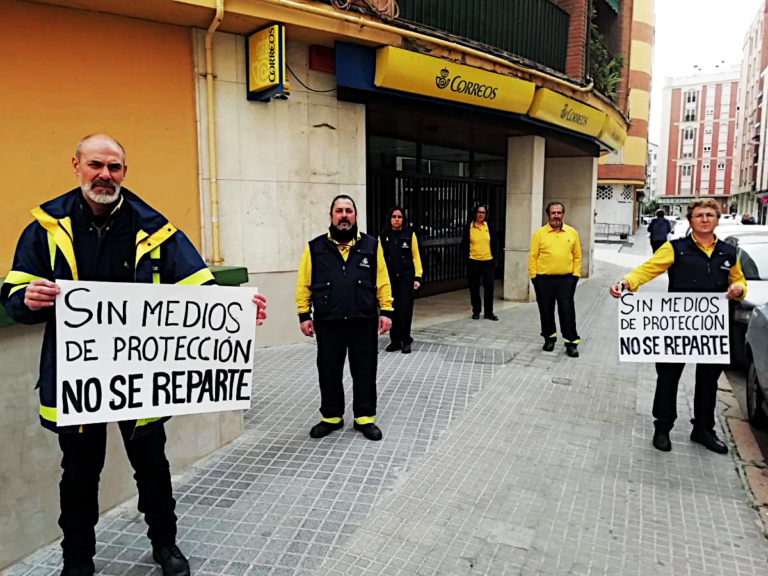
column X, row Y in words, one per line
column 243, row 120
column 621, row 173
column 751, row 171
column 651, row 173
column 698, row 138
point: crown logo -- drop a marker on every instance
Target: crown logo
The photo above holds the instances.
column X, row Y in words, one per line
column 443, row 80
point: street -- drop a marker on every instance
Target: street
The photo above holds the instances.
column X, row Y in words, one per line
column 497, row 458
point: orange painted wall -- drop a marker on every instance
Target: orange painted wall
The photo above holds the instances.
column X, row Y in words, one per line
column 66, row 73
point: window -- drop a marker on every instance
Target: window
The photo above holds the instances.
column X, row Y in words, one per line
column 687, row 170
column 687, row 154
column 690, row 96
column 705, row 168
column 690, row 115
column 708, row 129
column 720, row 166
column 688, row 134
column 707, row 148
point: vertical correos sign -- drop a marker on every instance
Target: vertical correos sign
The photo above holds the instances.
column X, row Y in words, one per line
column 137, row 351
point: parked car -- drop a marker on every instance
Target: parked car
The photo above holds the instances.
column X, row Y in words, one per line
column 753, row 256
column 757, row 377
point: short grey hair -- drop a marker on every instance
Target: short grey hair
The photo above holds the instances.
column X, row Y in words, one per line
column 81, row 143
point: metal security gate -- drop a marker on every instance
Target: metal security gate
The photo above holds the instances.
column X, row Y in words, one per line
column 438, row 208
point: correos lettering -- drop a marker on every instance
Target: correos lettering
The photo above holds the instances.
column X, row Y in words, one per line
column 461, row 86
column 272, row 50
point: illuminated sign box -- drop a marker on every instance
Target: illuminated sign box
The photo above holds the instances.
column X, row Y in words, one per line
column 265, row 64
column 406, row 71
column 553, row 108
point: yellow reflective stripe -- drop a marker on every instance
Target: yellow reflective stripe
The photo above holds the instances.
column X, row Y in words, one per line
column 366, row 420
column 569, row 342
column 155, row 255
column 554, row 335
column 52, row 250
column 61, row 230
column 332, row 420
column 48, row 413
column 145, row 421
column 200, row 277
column 145, row 243
column 17, row 288
column 15, row 277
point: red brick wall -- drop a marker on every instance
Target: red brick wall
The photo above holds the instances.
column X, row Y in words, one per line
column 698, row 151
column 674, row 144
column 577, row 37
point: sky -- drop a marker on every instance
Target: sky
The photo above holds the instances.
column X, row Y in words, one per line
column 690, row 32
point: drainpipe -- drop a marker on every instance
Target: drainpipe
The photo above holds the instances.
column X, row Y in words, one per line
column 362, row 22
column 212, row 170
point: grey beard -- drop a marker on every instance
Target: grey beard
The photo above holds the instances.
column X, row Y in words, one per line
column 101, row 198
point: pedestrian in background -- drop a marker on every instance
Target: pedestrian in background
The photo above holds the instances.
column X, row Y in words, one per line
column 697, row 263
column 659, row 229
column 480, row 249
column 401, row 253
column 554, row 267
column 342, row 282
column 747, row 220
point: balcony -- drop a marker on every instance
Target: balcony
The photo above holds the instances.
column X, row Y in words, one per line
column 536, row 30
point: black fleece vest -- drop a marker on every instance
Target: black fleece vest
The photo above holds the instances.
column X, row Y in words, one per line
column 693, row 271
column 397, row 247
column 341, row 289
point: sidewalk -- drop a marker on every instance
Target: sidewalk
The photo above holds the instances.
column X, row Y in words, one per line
column 497, row 458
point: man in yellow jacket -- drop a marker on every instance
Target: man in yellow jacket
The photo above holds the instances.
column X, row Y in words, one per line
column 554, row 266
column 343, row 281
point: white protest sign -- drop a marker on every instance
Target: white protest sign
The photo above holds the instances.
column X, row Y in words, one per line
column 674, row 327
column 131, row 351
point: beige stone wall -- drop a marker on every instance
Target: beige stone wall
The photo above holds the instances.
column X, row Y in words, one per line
column 280, row 164
column 30, row 456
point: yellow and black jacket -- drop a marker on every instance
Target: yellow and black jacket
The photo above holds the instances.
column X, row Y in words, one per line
column 46, row 251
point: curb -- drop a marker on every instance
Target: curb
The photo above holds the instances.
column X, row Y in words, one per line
column 747, row 455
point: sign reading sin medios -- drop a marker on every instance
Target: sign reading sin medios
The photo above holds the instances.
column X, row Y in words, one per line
column 407, row 71
column 266, row 61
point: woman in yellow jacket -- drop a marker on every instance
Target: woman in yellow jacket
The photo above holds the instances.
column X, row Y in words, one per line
column 401, row 253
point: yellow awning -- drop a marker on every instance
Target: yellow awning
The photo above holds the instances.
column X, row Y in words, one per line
column 554, row 108
column 407, row 71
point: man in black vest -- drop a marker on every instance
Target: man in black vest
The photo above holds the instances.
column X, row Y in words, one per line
column 697, row 263
column 343, row 281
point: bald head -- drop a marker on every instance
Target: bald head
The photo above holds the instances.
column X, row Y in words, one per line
column 99, row 165
column 98, row 141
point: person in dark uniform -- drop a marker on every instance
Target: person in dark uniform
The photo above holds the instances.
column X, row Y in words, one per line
column 343, row 282
column 401, row 252
column 659, row 229
column 480, row 249
column 102, row 231
column 697, row 263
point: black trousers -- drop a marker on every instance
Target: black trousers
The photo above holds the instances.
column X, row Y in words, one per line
column 402, row 292
column 82, row 463
column 704, row 399
column 560, row 290
column 656, row 244
column 481, row 272
column 334, row 339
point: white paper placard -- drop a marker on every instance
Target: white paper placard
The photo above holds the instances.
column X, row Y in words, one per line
column 131, row 351
column 674, row 327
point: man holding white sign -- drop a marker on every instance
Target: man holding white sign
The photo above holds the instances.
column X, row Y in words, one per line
column 698, row 263
column 102, row 232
